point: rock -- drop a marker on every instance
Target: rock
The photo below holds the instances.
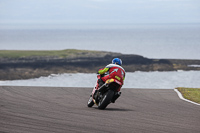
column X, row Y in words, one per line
column 36, row 66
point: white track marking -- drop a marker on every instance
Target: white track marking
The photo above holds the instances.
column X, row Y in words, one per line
column 181, row 97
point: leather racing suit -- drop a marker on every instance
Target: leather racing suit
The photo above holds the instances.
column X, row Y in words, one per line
column 112, row 71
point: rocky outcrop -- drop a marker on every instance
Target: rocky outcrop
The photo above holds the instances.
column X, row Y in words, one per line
column 33, row 67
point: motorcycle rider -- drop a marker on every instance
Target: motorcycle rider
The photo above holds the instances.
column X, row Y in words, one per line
column 114, row 68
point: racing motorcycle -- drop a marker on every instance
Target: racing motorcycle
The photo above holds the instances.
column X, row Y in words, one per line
column 107, row 93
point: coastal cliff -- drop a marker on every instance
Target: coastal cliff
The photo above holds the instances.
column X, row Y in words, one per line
column 33, row 65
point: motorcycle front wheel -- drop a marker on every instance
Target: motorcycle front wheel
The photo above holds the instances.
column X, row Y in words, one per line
column 90, row 102
column 105, row 100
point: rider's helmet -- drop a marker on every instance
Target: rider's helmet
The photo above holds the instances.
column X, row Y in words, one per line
column 117, row 61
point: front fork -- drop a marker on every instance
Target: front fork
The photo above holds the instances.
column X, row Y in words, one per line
column 95, row 93
column 96, row 87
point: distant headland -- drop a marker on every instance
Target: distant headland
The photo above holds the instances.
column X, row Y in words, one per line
column 17, row 64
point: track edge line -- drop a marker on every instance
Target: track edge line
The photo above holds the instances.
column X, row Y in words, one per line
column 182, row 98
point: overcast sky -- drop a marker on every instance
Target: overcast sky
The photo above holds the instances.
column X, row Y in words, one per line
column 100, row 11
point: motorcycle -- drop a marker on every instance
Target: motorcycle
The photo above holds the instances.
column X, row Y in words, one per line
column 107, row 93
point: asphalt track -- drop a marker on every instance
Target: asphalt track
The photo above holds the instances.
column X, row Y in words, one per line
column 63, row 110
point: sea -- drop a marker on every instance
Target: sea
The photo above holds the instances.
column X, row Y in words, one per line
column 158, row 41
column 139, row 80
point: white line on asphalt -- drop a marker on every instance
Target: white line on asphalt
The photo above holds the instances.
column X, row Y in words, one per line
column 181, row 97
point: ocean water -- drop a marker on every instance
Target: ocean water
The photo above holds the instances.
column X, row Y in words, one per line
column 142, row 80
column 177, row 41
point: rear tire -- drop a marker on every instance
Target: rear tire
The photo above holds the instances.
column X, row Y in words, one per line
column 103, row 103
column 90, row 102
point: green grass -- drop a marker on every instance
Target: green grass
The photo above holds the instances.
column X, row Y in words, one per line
column 39, row 53
column 192, row 94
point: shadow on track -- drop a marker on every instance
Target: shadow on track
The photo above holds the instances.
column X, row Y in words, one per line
column 114, row 109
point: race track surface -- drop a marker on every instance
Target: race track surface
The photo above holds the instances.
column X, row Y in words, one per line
column 63, row 110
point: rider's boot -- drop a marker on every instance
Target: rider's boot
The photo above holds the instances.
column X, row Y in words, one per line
column 100, row 82
column 117, row 95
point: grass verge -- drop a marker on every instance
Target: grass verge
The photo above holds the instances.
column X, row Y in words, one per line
column 38, row 53
column 192, row 94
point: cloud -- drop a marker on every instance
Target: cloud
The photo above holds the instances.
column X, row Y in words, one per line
column 132, row 11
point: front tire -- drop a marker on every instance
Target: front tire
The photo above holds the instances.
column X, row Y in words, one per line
column 90, row 102
column 103, row 103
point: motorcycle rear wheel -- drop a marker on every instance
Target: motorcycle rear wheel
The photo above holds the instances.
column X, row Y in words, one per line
column 103, row 103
